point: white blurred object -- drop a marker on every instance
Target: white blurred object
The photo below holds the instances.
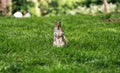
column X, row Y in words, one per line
column 27, row 14
column 18, row 14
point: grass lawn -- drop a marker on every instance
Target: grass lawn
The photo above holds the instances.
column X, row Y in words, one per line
column 26, row 45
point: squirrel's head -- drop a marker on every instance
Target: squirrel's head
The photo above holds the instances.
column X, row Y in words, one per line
column 58, row 25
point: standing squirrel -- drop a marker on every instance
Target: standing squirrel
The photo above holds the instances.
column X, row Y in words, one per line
column 59, row 38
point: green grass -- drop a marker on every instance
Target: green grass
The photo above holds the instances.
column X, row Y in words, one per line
column 26, row 45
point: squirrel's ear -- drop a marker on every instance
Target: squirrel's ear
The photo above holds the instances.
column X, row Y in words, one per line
column 59, row 22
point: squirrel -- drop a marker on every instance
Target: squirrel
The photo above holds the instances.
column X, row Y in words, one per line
column 59, row 37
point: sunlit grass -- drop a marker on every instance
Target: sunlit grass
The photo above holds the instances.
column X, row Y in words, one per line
column 26, row 45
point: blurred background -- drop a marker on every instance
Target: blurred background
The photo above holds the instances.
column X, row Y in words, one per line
column 58, row 7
